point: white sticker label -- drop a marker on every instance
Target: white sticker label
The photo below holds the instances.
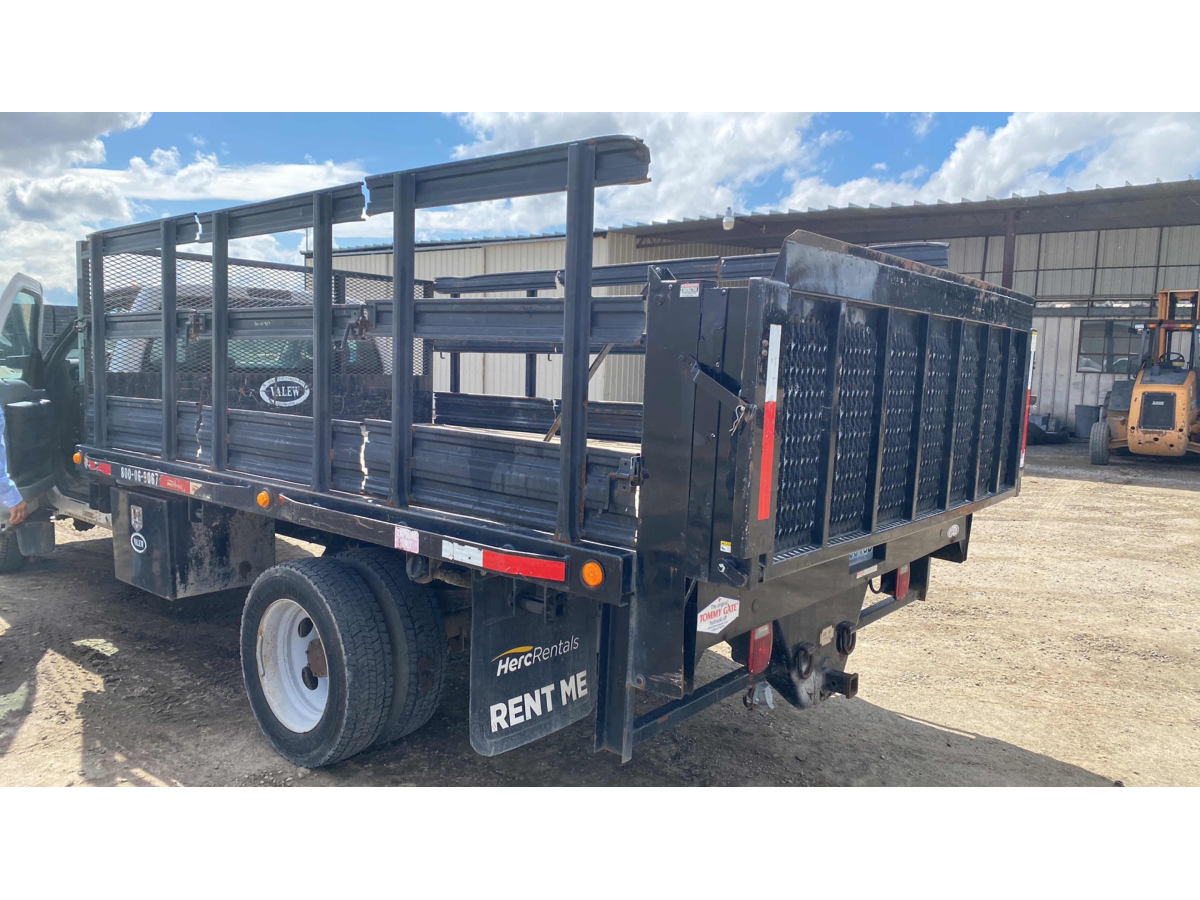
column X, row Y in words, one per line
column 407, row 539
column 718, row 615
column 826, row 635
column 726, row 547
column 691, row 289
column 462, row 553
column 138, row 542
column 867, row 571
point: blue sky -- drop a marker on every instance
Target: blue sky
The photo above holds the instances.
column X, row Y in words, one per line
column 64, row 175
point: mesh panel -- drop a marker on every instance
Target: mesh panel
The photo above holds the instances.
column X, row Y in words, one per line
column 966, row 429
column 933, row 422
column 991, row 412
column 855, row 429
column 803, row 377
column 265, row 375
column 894, row 482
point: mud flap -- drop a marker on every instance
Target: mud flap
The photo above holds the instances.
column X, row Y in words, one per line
column 533, row 669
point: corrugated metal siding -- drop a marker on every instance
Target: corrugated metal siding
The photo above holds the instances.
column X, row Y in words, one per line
column 1048, row 266
column 623, row 375
column 1180, row 258
column 1056, row 385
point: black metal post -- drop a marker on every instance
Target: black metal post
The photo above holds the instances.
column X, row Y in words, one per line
column 170, row 358
column 1010, row 248
column 322, row 351
column 100, row 410
column 220, row 341
column 404, row 187
column 82, row 290
column 531, row 364
column 581, row 184
column 455, row 366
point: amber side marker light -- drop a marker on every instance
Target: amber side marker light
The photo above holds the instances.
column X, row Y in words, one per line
column 592, row 574
column 263, row 499
column 77, row 458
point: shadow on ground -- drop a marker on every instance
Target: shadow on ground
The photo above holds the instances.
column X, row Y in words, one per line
column 103, row 684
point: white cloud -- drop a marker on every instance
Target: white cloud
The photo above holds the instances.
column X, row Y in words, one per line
column 922, row 123
column 56, row 183
column 54, row 189
column 1032, row 152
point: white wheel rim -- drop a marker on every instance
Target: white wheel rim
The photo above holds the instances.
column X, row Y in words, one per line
column 283, row 666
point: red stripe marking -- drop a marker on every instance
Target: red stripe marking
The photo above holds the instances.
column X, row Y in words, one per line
column 767, row 470
column 531, row 566
column 102, row 468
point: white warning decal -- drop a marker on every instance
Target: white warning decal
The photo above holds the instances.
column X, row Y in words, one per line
column 718, row 615
column 472, row 556
column 407, row 539
column 691, row 289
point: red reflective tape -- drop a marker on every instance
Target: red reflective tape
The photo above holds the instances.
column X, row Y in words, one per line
column 768, row 463
column 530, row 566
column 102, row 467
column 1025, row 426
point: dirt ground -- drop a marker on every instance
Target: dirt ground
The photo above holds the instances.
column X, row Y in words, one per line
column 1065, row 652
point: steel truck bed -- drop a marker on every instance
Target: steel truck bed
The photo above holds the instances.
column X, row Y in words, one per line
column 813, row 420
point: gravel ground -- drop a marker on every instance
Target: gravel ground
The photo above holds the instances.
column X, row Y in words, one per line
column 1063, row 653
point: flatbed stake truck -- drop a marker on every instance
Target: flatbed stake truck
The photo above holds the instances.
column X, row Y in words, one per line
column 813, row 421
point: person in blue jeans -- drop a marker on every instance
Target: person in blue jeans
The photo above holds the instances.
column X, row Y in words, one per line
column 9, row 495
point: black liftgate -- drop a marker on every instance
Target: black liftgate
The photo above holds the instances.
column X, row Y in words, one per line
column 843, row 404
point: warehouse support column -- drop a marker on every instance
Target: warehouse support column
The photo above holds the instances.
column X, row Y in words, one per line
column 1010, row 248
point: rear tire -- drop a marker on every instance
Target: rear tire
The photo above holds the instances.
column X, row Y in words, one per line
column 11, row 558
column 417, row 633
column 317, row 699
column 1098, row 443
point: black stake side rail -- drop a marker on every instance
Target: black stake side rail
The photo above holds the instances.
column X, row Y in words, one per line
column 462, row 540
column 577, row 168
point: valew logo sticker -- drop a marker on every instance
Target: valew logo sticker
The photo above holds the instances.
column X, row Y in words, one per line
column 284, row 390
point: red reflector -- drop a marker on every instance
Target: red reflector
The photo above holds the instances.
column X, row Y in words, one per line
column 531, row 566
column 902, row 581
column 760, row 648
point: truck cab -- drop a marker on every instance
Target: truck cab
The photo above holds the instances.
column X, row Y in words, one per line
column 42, row 394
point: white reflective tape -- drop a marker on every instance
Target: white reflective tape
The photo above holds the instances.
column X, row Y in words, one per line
column 463, row 553
column 773, row 342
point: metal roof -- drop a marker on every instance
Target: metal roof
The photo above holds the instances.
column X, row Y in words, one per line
column 1131, row 206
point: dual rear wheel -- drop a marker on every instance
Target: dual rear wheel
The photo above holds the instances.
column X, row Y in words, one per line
column 341, row 653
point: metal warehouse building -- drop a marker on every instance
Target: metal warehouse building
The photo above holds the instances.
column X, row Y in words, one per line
column 1093, row 259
